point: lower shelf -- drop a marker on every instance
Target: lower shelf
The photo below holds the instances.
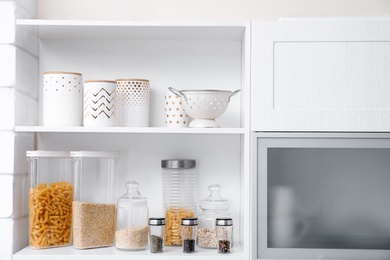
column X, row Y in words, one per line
column 66, row 253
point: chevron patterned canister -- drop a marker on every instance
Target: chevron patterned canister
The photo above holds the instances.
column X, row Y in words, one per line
column 99, row 103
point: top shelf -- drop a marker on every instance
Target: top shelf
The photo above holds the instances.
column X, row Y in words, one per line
column 130, row 30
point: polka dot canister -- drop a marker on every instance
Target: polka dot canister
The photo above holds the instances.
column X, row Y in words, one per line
column 133, row 102
column 175, row 115
column 62, row 99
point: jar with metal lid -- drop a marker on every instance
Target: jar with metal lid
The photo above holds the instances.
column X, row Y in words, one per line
column 179, row 191
column 188, row 233
column 213, row 207
column 50, row 198
column 156, row 234
column 94, row 204
column 224, row 228
column 132, row 219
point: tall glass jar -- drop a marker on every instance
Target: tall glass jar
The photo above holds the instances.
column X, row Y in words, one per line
column 94, row 204
column 132, row 220
column 50, row 199
column 213, row 207
column 179, row 191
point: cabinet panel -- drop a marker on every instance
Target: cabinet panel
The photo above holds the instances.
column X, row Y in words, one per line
column 321, row 75
column 322, row 196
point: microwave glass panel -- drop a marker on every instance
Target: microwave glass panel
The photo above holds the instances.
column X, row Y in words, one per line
column 336, row 198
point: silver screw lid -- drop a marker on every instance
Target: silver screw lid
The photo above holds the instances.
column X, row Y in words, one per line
column 178, row 164
column 224, row 222
column 157, row 221
column 189, row 221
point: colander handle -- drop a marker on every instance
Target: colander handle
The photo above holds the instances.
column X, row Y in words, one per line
column 234, row 93
column 177, row 92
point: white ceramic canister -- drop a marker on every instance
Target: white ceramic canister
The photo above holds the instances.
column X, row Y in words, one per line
column 99, row 103
column 133, row 102
column 175, row 115
column 62, row 99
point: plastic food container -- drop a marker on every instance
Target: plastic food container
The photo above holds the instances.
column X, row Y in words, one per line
column 94, row 204
column 132, row 220
column 179, row 190
column 62, row 99
column 50, row 199
column 213, row 207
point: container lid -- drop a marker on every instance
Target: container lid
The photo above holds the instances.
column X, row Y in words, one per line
column 62, row 72
column 99, row 80
column 145, row 80
column 178, row 164
column 214, row 200
column 132, row 197
column 224, row 222
column 157, row 221
column 47, row 154
column 189, row 221
column 94, row 154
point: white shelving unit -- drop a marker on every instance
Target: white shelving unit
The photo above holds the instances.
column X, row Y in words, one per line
column 183, row 55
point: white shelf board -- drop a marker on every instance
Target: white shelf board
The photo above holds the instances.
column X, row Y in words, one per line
column 65, row 253
column 129, row 130
column 74, row 29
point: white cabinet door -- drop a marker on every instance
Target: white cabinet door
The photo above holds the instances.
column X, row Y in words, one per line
column 321, row 75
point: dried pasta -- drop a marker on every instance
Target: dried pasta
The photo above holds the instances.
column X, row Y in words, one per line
column 173, row 218
column 50, row 214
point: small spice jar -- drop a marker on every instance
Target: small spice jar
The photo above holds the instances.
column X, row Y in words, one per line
column 188, row 234
column 156, row 234
column 132, row 220
column 224, row 234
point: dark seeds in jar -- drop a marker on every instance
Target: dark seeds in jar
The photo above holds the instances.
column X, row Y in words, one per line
column 224, row 246
column 189, row 245
column 156, row 244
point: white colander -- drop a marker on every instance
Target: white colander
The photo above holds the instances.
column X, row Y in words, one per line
column 204, row 106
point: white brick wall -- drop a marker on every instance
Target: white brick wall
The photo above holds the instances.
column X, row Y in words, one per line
column 19, row 76
column 19, row 69
column 13, row 236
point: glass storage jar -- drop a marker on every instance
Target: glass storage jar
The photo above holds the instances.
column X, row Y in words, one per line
column 224, row 234
column 94, row 203
column 213, row 207
column 50, row 198
column 132, row 220
column 156, row 234
column 179, row 187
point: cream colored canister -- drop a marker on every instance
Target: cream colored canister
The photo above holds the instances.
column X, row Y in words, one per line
column 62, row 99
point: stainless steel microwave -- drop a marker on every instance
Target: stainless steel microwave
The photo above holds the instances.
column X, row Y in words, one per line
column 321, row 196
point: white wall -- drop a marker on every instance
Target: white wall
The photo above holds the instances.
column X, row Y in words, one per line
column 207, row 9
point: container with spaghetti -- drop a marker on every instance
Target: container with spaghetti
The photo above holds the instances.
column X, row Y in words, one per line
column 179, row 186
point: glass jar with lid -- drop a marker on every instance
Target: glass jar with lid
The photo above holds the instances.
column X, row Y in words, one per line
column 179, row 191
column 132, row 226
column 213, row 207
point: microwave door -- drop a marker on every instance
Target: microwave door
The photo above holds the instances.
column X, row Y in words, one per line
column 322, row 194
